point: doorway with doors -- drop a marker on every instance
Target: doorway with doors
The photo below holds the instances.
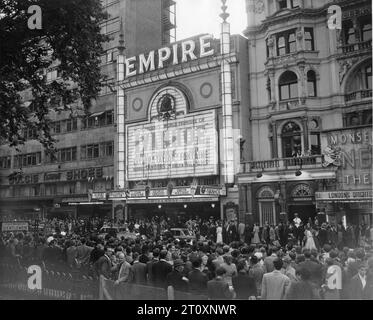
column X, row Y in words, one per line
column 305, row 211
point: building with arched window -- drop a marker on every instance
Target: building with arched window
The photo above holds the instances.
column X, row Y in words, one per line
column 318, row 81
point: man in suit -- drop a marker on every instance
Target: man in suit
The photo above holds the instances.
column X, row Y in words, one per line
column 243, row 284
column 358, row 284
column 83, row 252
column 314, row 269
column 103, row 265
column 256, row 271
column 139, row 270
column 176, row 281
column 275, row 284
column 149, row 266
column 268, row 261
column 197, row 279
column 161, row 269
column 218, row 288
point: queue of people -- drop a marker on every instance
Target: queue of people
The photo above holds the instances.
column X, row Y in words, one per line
column 224, row 261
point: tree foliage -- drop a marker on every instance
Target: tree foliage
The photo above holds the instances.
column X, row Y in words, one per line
column 70, row 36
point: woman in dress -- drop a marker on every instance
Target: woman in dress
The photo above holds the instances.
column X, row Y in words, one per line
column 310, row 243
column 219, row 233
column 256, row 239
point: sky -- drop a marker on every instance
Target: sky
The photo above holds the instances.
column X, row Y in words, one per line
column 194, row 17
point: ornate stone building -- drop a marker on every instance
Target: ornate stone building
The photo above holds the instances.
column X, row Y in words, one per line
column 306, row 81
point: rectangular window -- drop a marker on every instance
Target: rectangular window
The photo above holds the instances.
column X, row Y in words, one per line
column 284, row 92
column 282, row 4
column 57, row 127
column 367, row 30
column 71, row 125
column 315, row 143
column 281, row 46
column 368, row 77
column 109, row 148
column 311, row 88
column 91, row 151
column 295, row 3
column 109, row 117
column 5, row 162
column 308, row 38
column 292, row 43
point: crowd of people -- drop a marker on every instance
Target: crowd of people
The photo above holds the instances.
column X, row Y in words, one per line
column 225, row 260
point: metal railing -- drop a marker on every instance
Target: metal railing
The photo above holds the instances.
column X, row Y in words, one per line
column 358, row 95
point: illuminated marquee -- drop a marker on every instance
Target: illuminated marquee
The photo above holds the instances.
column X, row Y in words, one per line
column 185, row 146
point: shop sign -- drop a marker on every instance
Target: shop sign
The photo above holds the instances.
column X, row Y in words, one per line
column 345, row 195
column 181, row 147
column 182, row 191
column 98, row 195
column 158, row 193
column 24, row 179
column 351, row 151
column 209, row 191
column 84, row 174
column 14, row 226
column 77, row 199
column 180, row 52
column 172, row 200
column 117, row 194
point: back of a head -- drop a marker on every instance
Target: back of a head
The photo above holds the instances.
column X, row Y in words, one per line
column 196, row 263
column 360, row 254
column 254, row 259
column 241, row 264
column 227, row 259
column 219, row 251
column 304, row 273
column 135, row 255
column 163, row 254
column 307, row 254
column 220, row 271
column 156, row 253
column 333, row 254
column 278, row 263
column 327, row 247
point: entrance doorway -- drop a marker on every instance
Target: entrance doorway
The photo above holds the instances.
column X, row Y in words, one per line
column 305, row 211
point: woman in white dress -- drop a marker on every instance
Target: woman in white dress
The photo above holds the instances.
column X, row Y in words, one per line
column 256, row 239
column 219, row 233
column 310, row 243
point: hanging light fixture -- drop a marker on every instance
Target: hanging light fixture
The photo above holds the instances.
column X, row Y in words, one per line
column 159, row 206
column 212, row 205
column 185, row 206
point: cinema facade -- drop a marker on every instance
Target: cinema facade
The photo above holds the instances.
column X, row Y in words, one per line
column 181, row 118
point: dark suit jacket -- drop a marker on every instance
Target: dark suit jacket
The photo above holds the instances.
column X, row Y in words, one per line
column 139, row 272
column 218, row 289
column 244, row 286
column 197, row 282
column 103, row 266
column 160, row 271
column 149, row 270
column 356, row 291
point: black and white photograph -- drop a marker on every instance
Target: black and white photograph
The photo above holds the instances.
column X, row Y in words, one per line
column 186, row 155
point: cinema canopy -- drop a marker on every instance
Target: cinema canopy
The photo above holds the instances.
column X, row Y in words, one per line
column 171, row 126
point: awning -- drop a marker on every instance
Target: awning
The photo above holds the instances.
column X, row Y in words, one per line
column 344, row 196
column 96, row 114
column 171, row 200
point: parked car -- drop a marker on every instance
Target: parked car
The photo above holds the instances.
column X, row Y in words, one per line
column 181, row 234
column 117, row 232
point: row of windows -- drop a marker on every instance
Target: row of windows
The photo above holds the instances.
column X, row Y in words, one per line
column 49, row 189
column 362, row 31
column 110, row 26
column 287, row 4
column 71, row 124
column 90, row 151
column 98, row 120
column 286, row 41
column 27, row 160
column 288, row 85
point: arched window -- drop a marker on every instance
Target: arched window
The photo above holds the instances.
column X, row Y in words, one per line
column 359, row 83
column 267, row 209
column 368, row 77
column 288, row 84
column 291, row 140
column 349, row 32
column 311, row 83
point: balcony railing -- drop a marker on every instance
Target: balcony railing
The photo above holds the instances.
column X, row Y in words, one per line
column 281, row 164
column 358, row 95
column 359, row 46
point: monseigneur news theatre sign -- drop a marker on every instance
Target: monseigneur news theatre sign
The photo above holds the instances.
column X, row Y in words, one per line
column 182, row 147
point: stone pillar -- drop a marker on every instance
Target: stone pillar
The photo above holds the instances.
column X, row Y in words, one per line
column 242, row 199
column 274, row 139
column 249, row 202
column 305, row 133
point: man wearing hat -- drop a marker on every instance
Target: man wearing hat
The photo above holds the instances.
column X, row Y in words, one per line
column 175, row 280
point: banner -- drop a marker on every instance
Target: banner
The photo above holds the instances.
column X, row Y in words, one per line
column 359, row 195
column 14, row 226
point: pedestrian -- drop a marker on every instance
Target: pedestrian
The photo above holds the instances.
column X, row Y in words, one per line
column 176, row 281
column 243, row 284
column 275, row 284
column 302, row 289
column 218, row 288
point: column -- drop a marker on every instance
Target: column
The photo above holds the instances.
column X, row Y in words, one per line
column 242, row 199
column 274, row 139
column 305, row 133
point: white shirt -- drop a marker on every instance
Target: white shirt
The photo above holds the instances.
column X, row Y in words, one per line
column 297, row 222
column 363, row 280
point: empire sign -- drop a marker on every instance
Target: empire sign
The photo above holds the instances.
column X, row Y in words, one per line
column 180, row 52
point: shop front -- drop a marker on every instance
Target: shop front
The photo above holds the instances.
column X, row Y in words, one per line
column 349, row 200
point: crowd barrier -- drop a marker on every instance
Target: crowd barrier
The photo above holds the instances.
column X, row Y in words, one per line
column 56, row 285
column 61, row 283
column 130, row 291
